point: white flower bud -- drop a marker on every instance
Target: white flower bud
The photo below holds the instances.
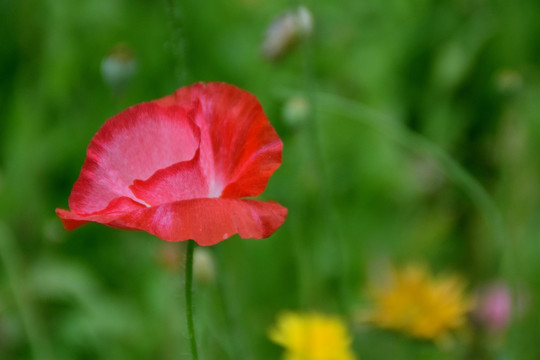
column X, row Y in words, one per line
column 204, row 269
column 285, row 31
column 508, row 81
column 304, row 21
column 296, row 110
column 118, row 67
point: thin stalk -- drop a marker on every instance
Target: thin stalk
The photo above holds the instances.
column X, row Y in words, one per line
column 178, row 46
column 9, row 256
column 417, row 142
column 178, row 52
column 230, row 312
column 327, row 203
column 461, row 177
column 189, row 299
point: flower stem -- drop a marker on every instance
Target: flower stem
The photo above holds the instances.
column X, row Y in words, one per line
column 327, row 203
column 178, row 46
column 507, row 247
column 189, row 300
column 11, row 258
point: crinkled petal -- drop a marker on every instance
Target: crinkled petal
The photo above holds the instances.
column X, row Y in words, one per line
column 175, row 167
column 181, row 181
column 133, row 145
column 116, row 208
column 207, row 221
column 239, row 147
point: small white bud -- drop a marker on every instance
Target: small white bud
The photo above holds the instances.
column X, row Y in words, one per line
column 285, row 31
column 304, row 21
column 204, row 269
column 296, row 110
column 508, row 81
column 118, row 67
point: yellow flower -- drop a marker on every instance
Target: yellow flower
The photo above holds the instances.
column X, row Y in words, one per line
column 312, row 337
column 420, row 305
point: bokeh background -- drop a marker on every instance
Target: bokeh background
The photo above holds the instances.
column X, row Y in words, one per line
column 456, row 77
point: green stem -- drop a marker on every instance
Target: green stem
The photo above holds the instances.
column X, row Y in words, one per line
column 189, row 299
column 327, row 203
column 10, row 258
column 236, row 342
column 178, row 45
column 391, row 129
column 460, row 176
column 417, row 142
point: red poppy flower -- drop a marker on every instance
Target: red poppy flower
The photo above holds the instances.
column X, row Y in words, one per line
column 179, row 168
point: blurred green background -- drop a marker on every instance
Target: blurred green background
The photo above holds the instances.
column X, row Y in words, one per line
column 463, row 74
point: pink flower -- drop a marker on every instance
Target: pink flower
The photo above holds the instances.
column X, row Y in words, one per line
column 495, row 306
column 179, row 167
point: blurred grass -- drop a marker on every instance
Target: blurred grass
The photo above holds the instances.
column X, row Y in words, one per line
column 463, row 74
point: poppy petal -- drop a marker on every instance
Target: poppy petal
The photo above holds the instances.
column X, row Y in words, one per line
column 239, row 147
column 181, row 181
column 176, row 167
column 207, row 221
column 130, row 146
column 107, row 216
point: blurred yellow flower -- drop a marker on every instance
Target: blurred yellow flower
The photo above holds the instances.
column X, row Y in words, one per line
column 420, row 305
column 312, row 337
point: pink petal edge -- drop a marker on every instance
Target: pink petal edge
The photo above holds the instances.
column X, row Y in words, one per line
column 175, row 167
column 133, row 145
column 207, row 221
column 240, row 146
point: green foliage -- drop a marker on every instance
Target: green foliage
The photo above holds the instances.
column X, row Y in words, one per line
column 462, row 74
